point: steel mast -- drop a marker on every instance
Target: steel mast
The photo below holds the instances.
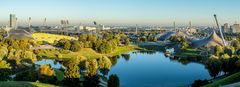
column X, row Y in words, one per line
column 223, row 40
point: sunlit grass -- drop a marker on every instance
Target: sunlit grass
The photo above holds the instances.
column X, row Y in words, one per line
column 50, row 37
column 85, row 52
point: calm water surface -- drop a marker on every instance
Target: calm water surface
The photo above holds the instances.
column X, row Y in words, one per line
column 151, row 70
column 156, row 70
column 51, row 62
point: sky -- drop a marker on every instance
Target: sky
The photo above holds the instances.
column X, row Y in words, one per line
column 121, row 12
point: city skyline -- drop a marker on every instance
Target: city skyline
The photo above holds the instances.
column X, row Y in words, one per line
column 121, row 12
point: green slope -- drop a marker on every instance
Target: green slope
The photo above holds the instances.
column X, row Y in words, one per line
column 24, row 84
column 225, row 81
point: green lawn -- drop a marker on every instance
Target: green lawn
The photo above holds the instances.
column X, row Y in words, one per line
column 225, row 81
column 24, row 84
column 86, row 52
column 121, row 50
column 188, row 53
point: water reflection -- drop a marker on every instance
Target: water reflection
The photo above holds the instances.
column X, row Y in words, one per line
column 143, row 68
column 145, row 52
column 126, row 56
column 114, row 60
column 151, row 68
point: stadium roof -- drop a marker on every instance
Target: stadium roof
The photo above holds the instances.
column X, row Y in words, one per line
column 210, row 41
column 18, row 34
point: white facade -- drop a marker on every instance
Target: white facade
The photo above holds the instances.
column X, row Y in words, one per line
column 89, row 28
column 235, row 28
column 80, row 27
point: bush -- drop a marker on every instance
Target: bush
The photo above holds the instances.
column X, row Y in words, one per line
column 113, row 81
column 5, row 73
column 199, row 83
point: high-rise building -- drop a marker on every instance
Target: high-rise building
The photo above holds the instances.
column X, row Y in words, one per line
column 226, row 28
column 235, row 28
column 13, row 21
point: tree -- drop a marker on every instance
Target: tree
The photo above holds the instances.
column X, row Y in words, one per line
column 75, row 46
column 104, row 63
column 67, row 45
column 3, row 52
column 113, row 81
column 91, row 81
column 92, row 67
column 199, row 83
column 229, row 65
column 105, row 47
column 225, row 56
column 46, row 74
column 82, row 38
column 229, row 50
column 138, row 40
column 72, row 73
column 29, row 75
column 29, row 55
column 59, row 55
column 236, row 43
column 24, row 44
column 46, row 70
column 4, row 64
column 238, row 52
column 127, row 42
column 4, row 70
column 5, row 73
column 184, row 45
column 15, row 55
column 214, row 66
column 218, row 50
column 114, row 59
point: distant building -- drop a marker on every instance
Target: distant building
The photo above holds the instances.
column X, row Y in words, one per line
column 192, row 30
column 13, row 21
column 206, row 30
column 80, row 27
column 103, row 27
column 226, row 28
column 235, row 28
column 89, row 28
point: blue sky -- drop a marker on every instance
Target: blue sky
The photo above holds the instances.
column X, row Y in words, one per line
column 121, row 12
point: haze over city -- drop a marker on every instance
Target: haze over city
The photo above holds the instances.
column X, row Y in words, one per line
column 121, row 12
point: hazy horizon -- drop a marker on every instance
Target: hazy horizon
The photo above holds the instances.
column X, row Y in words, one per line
column 121, row 12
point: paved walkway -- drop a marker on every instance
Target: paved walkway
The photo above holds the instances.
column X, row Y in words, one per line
column 232, row 85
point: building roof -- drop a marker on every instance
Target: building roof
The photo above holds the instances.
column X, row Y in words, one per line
column 18, row 34
column 167, row 35
column 210, row 41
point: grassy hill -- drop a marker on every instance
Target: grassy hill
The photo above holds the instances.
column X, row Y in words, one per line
column 24, row 84
column 86, row 52
column 225, row 81
column 50, row 37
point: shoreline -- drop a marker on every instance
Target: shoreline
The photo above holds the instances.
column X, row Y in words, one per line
column 88, row 53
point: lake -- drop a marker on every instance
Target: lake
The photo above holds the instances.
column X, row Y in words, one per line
column 54, row 64
column 152, row 69
column 156, row 70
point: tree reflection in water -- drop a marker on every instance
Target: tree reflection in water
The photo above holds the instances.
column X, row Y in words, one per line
column 126, row 56
column 114, row 59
